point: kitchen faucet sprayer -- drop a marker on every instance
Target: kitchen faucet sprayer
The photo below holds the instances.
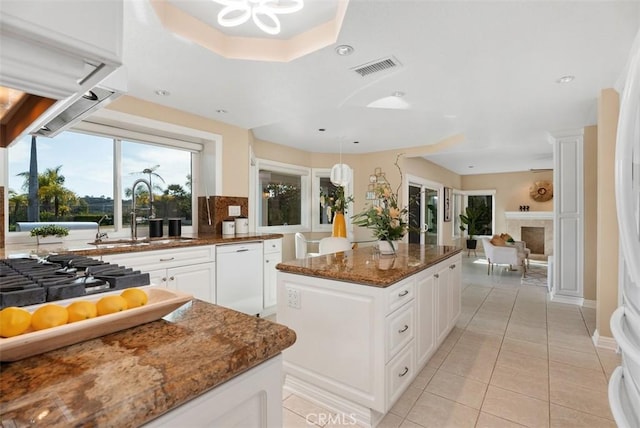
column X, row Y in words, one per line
column 134, row 223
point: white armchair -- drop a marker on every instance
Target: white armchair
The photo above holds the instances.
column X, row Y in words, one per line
column 503, row 255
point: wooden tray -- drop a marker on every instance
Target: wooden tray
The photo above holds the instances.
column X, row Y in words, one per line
column 161, row 302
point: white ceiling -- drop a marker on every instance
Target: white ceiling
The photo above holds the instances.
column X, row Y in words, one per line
column 484, row 70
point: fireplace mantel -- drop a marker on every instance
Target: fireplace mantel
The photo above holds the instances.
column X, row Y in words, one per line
column 528, row 215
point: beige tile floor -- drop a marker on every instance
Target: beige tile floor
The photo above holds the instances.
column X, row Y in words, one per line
column 514, row 359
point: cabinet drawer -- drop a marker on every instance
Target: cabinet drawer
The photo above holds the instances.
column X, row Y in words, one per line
column 399, row 329
column 273, row 245
column 399, row 373
column 400, row 294
column 147, row 260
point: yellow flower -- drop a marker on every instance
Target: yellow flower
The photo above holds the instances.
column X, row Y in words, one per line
column 378, row 210
column 394, row 213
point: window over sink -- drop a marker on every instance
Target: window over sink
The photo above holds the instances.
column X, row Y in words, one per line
column 77, row 182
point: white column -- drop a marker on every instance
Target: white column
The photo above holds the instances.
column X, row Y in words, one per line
column 568, row 247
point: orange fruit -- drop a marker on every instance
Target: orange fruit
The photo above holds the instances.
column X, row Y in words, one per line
column 82, row 310
column 134, row 297
column 48, row 316
column 14, row 321
column 111, row 304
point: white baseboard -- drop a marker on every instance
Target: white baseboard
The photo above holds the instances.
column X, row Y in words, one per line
column 589, row 304
column 604, row 341
column 570, row 300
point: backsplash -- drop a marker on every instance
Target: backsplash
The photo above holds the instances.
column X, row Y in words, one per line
column 219, row 209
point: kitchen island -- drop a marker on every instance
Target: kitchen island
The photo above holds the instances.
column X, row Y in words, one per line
column 366, row 323
column 200, row 363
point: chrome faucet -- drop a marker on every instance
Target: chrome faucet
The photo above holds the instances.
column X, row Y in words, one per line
column 101, row 235
column 134, row 223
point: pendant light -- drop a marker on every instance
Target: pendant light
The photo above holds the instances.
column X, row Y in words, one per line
column 341, row 172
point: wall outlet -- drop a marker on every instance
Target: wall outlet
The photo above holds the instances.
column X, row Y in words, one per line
column 234, row 210
column 293, row 298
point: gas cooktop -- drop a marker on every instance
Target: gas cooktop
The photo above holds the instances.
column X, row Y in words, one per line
column 28, row 281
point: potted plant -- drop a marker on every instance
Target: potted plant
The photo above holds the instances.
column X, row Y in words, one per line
column 472, row 222
column 41, row 232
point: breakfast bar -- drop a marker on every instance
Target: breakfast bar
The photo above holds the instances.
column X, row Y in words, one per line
column 366, row 323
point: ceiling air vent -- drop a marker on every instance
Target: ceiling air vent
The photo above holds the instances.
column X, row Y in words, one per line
column 376, row 66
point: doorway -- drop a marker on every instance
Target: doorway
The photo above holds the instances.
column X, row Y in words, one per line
column 424, row 213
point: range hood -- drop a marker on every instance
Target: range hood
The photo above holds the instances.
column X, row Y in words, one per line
column 46, row 117
column 65, row 68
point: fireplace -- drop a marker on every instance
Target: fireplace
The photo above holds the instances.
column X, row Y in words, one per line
column 534, row 237
column 541, row 243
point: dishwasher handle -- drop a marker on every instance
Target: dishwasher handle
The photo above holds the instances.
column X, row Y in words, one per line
column 242, row 250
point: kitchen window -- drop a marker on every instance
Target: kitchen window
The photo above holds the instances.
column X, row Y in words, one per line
column 77, row 182
column 282, row 197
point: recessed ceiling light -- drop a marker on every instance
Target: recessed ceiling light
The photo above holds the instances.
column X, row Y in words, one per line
column 565, row 79
column 344, row 50
column 221, row 111
column 398, row 94
column 450, row 116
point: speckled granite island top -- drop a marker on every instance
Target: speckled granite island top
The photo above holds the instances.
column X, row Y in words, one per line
column 127, row 378
column 367, row 267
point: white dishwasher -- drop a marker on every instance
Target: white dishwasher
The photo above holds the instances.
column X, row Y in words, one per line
column 239, row 277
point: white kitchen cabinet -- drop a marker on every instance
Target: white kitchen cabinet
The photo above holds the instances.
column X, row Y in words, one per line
column 425, row 329
column 272, row 256
column 191, row 269
column 455, row 291
column 252, row 399
column 443, row 319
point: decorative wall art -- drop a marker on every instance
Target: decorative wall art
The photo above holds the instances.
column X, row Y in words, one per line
column 541, row 191
column 448, row 195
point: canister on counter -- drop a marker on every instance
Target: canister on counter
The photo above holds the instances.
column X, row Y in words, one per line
column 155, row 228
column 242, row 225
column 175, row 226
column 228, row 227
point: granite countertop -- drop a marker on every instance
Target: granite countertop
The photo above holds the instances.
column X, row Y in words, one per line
column 111, row 246
column 127, row 378
column 367, row 267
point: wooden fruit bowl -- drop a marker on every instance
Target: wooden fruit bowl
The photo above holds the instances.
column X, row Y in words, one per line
column 162, row 301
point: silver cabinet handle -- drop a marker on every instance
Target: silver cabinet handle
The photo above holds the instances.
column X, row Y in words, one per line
column 452, row 267
column 167, row 260
column 266, row 261
column 404, row 372
column 164, row 279
column 436, row 276
column 403, row 329
column 403, row 293
column 242, row 250
column 171, row 278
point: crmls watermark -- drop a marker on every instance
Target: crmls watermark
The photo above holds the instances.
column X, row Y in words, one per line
column 327, row 418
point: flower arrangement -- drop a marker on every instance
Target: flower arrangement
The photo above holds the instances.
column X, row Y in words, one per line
column 385, row 217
